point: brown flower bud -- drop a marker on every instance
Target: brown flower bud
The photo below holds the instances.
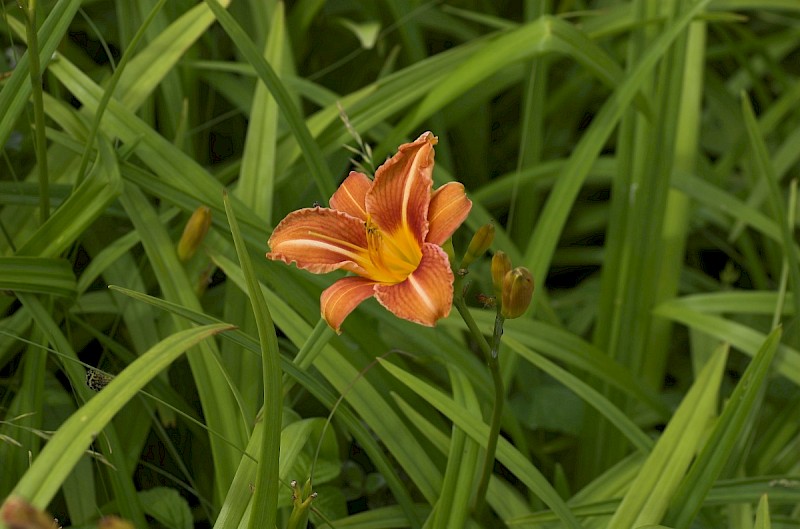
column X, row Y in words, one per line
column 480, row 242
column 517, row 292
column 114, row 522
column 501, row 265
column 194, row 233
column 18, row 513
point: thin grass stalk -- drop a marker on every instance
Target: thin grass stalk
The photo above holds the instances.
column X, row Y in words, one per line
column 217, row 397
column 784, row 280
column 617, row 263
column 265, row 500
column 108, row 93
column 764, row 166
column 40, row 483
column 40, row 140
column 676, row 216
column 309, row 148
column 656, row 143
column 525, row 198
column 457, row 487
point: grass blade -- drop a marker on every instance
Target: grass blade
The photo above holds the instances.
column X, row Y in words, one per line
column 726, row 441
column 68, row 444
column 37, row 275
column 316, row 163
column 265, row 501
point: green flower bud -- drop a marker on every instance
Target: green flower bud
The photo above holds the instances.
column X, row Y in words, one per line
column 480, row 242
column 194, row 233
column 517, row 292
column 501, row 265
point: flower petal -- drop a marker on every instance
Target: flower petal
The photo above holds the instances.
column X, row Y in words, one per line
column 342, row 297
column 427, row 294
column 320, row 240
column 400, row 194
column 448, row 209
column 351, row 195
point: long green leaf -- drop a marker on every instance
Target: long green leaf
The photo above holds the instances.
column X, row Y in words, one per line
column 311, row 151
column 68, row 444
column 649, row 494
column 767, row 171
column 265, row 504
column 89, row 201
column 543, row 241
column 38, row 275
column 522, row 468
column 220, row 408
column 15, row 93
column 733, row 424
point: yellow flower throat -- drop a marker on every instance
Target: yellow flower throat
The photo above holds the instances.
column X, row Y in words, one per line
column 392, row 257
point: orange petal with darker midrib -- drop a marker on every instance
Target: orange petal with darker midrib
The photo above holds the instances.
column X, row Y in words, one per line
column 448, row 209
column 400, row 194
column 320, row 240
column 427, row 294
column 351, row 195
column 341, row 298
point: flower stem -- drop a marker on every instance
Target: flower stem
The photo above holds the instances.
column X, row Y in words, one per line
column 490, row 356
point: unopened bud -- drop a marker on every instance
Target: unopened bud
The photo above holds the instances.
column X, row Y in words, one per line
column 480, row 242
column 517, row 292
column 17, row 513
column 194, row 233
column 114, row 522
column 501, row 265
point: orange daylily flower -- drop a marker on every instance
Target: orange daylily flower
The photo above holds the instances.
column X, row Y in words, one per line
column 388, row 231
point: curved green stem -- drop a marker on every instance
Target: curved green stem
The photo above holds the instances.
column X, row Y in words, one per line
column 490, row 356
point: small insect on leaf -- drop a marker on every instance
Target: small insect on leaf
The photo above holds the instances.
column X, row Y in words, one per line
column 96, row 379
column 488, row 302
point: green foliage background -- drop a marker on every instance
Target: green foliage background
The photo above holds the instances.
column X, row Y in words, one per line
column 638, row 157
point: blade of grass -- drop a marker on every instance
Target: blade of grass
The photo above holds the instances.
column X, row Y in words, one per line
column 767, row 172
column 257, row 175
column 366, row 399
column 37, row 275
column 675, row 226
column 265, row 500
column 298, row 331
column 15, row 92
column 217, row 397
column 109, row 446
column 311, row 151
column 452, row 509
column 762, row 514
column 545, row 237
column 150, row 66
column 726, row 440
column 518, row 464
column 40, row 141
column 67, row 445
column 111, row 87
column 525, row 201
column 575, row 352
column 546, row 34
column 89, row 201
column 649, row 494
column 740, row 336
